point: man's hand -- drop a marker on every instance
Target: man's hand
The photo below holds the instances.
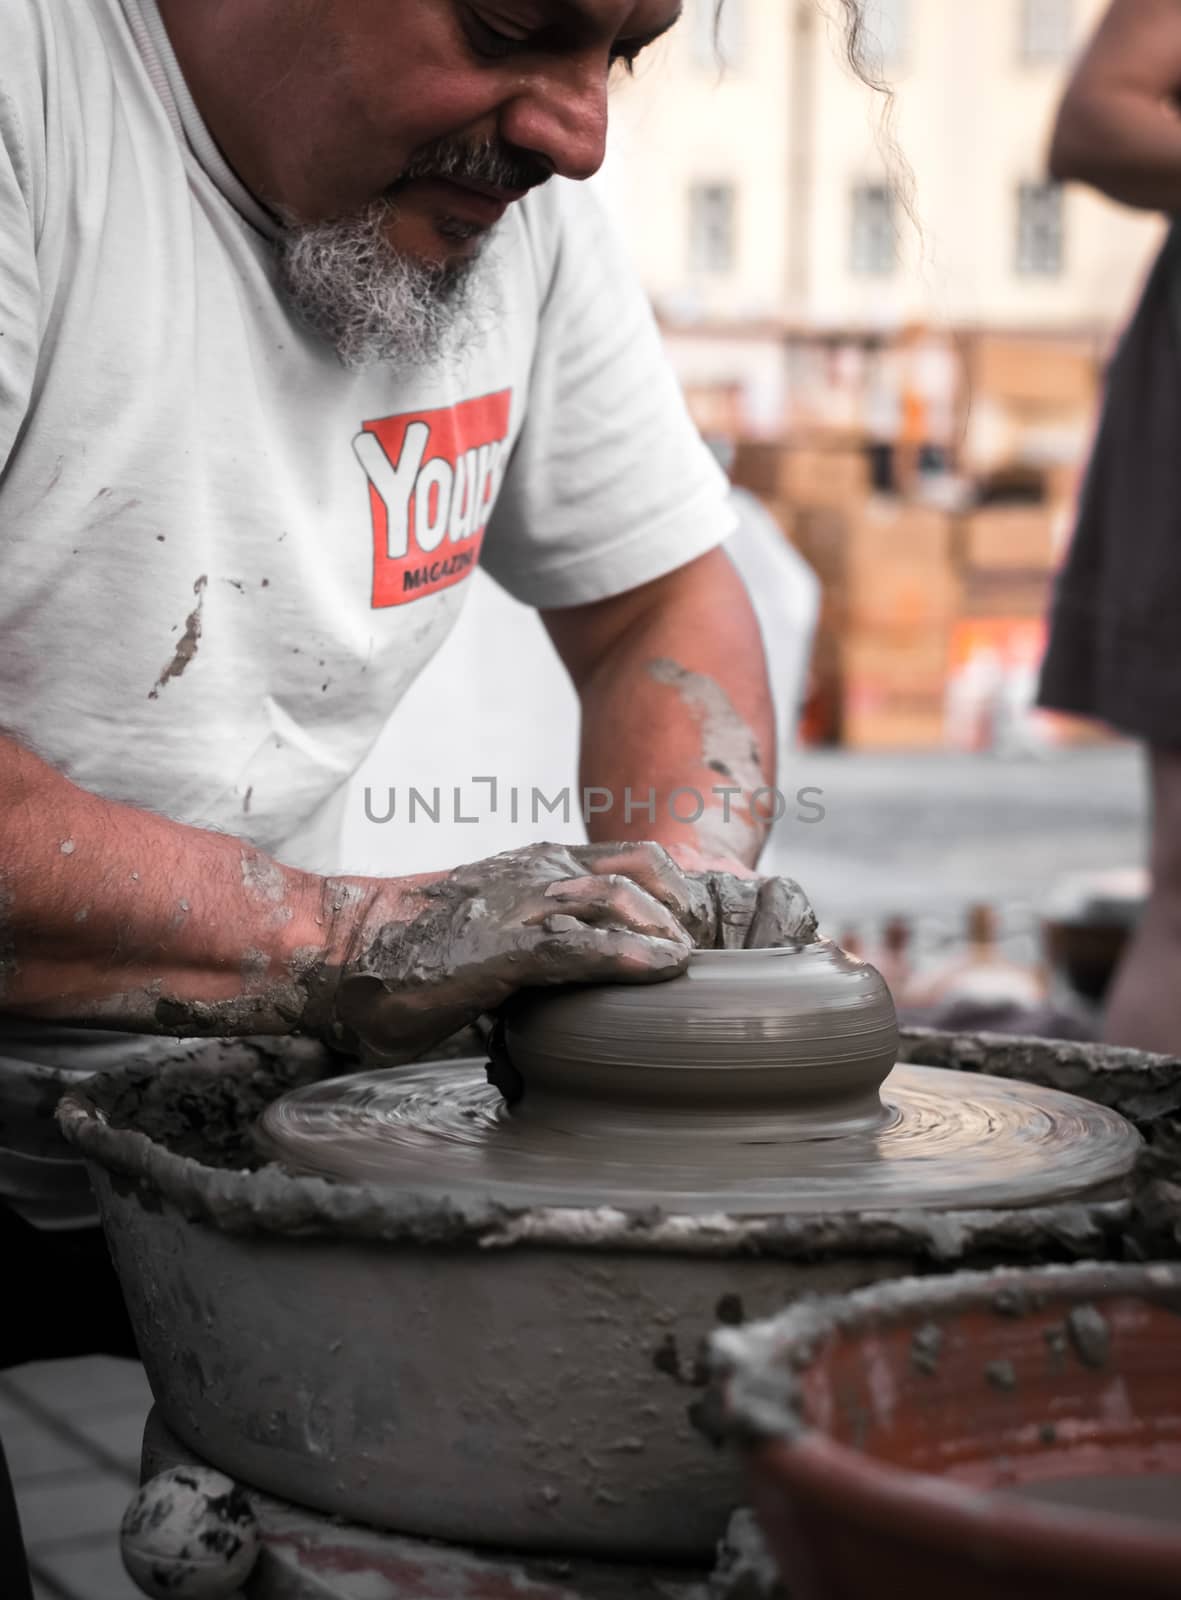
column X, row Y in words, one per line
column 722, row 907
column 539, row 916
column 116, row 918
column 528, row 918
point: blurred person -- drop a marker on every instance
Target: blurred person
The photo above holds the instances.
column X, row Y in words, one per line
column 882, row 413
column 1114, row 652
column 928, row 378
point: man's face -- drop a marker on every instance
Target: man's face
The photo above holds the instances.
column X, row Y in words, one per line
column 449, row 109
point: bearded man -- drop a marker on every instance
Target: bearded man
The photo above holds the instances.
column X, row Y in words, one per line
column 303, row 313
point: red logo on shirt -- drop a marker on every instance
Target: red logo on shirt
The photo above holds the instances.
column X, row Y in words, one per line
column 433, row 480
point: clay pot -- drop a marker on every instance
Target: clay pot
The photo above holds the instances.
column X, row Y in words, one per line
column 981, row 1435
column 456, row 1366
column 803, row 1038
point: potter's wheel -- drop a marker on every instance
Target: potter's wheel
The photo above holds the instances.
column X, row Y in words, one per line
column 759, row 1082
column 944, row 1140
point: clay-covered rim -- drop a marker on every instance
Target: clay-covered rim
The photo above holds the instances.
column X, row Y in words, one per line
column 272, row 1201
column 738, row 958
column 757, row 1403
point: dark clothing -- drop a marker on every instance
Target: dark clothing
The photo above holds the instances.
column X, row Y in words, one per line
column 70, row 1304
column 69, row 1297
column 1115, row 648
column 14, row 1574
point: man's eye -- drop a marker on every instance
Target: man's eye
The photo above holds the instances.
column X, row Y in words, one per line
column 489, row 42
column 493, row 45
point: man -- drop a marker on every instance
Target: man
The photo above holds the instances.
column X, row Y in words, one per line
column 1113, row 651
column 300, row 317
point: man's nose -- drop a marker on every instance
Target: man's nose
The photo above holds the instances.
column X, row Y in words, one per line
column 563, row 118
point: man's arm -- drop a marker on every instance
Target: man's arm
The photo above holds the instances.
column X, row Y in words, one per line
column 115, row 917
column 111, row 917
column 1118, row 127
column 673, row 682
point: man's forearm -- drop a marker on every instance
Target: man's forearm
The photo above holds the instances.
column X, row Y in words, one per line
column 679, row 724
column 113, row 917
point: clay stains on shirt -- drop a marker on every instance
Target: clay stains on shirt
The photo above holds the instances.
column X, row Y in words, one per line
column 187, row 648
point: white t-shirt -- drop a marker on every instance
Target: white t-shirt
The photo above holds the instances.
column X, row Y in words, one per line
column 223, row 556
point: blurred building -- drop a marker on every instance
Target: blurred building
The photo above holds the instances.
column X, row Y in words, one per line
column 779, row 209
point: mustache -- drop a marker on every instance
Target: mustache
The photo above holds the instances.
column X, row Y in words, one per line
column 490, row 162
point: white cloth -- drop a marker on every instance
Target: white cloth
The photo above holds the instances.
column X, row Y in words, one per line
column 223, row 556
column 523, row 727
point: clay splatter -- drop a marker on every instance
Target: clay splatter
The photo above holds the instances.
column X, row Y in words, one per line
column 925, row 1347
column 728, row 747
column 1056, row 1346
column 187, row 648
column 1001, row 1375
column 1010, row 1302
column 1090, row 1336
column 109, row 510
column 263, row 878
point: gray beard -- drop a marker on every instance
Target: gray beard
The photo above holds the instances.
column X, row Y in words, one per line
column 348, row 284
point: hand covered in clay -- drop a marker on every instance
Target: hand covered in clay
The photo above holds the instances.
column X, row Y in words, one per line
column 722, row 908
column 532, row 917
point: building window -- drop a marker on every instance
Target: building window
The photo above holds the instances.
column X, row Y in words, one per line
column 884, row 43
column 1040, row 230
column 1047, row 30
column 875, row 232
column 717, row 34
column 713, row 217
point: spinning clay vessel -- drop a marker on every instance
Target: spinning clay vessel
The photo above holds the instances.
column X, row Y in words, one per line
column 752, row 1085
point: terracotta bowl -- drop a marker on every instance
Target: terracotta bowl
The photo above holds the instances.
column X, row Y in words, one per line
column 808, row 1028
column 1014, row 1434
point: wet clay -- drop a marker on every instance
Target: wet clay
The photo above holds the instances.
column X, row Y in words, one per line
column 185, row 1131
column 752, row 1084
column 803, row 1035
column 190, row 639
column 450, row 1341
column 1143, row 1088
column 400, row 967
column 547, row 915
column 720, row 911
column 729, row 749
column 431, row 1131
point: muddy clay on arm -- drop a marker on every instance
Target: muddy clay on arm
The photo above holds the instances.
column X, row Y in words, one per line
column 720, row 910
column 676, row 704
column 111, row 917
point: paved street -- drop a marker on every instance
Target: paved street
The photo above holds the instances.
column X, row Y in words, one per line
column 72, row 1432
column 928, row 835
